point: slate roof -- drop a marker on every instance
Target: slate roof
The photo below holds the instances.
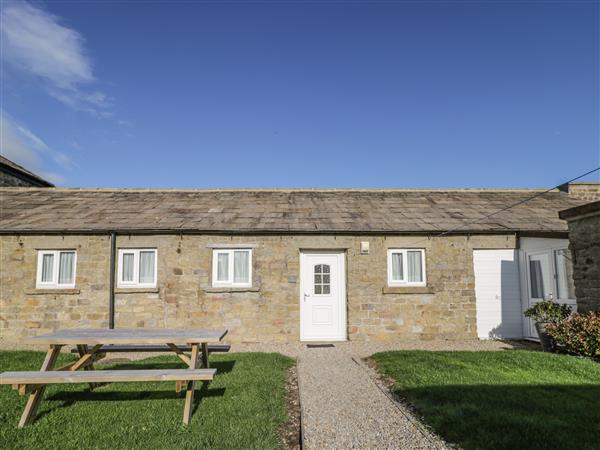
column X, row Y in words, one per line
column 278, row 210
column 21, row 172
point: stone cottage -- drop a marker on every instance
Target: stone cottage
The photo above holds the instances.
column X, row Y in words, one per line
column 282, row 265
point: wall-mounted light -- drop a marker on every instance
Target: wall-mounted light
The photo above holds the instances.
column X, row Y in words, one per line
column 364, row 247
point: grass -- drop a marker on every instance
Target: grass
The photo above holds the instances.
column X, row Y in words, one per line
column 242, row 408
column 501, row 400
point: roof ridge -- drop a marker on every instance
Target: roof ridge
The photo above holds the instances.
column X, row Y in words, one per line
column 145, row 190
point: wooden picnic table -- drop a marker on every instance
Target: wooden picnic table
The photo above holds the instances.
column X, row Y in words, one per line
column 89, row 343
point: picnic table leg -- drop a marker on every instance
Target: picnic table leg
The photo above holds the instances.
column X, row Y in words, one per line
column 205, row 355
column 189, row 394
column 36, row 397
column 82, row 350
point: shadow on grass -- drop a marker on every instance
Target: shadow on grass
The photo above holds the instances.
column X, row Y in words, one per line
column 511, row 416
column 117, row 396
column 68, row 398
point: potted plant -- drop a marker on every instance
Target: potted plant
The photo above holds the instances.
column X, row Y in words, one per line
column 545, row 312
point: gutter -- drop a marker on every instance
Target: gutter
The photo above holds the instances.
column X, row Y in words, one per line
column 271, row 232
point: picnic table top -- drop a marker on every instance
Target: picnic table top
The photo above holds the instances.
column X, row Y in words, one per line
column 96, row 336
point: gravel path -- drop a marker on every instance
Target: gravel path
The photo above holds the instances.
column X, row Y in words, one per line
column 342, row 407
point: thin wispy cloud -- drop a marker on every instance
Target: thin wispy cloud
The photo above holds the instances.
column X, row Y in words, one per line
column 37, row 43
column 21, row 145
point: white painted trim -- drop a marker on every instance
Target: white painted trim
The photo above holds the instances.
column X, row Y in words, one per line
column 54, row 284
column 135, row 284
column 403, row 251
column 230, row 267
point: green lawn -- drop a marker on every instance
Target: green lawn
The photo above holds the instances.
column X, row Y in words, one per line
column 501, row 400
column 242, row 408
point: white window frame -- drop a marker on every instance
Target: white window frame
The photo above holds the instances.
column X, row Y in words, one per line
column 135, row 283
column 229, row 282
column 403, row 252
column 54, row 284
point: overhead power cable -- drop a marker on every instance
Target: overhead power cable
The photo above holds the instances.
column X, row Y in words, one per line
column 506, row 208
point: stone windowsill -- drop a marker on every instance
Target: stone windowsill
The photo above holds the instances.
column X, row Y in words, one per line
column 136, row 290
column 52, row 291
column 232, row 289
column 408, row 290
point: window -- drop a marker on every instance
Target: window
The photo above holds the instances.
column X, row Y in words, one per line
column 322, row 278
column 232, row 267
column 564, row 274
column 56, row 269
column 406, row 267
column 137, row 267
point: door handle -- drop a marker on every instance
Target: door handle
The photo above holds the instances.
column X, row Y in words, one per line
column 306, row 295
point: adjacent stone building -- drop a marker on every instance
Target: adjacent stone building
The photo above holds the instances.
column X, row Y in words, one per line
column 584, row 237
column 584, row 190
column 277, row 265
column 12, row 174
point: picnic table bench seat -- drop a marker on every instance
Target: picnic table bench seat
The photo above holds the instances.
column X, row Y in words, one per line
column 212, row 348
column 105, row 376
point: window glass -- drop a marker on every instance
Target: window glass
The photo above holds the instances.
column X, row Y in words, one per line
column 47, row 268
column 241, row 266
column 564, row 274
column 222, row 266
column 322, row 278
column 415, row 269
column 537, row 279
column 128, row 261
column 147, row 261
column 66, row 269
column 397, row 266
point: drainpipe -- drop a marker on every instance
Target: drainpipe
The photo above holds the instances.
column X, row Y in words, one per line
column 111, row 294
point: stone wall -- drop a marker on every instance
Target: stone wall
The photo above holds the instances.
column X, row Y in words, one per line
column 589, row 191
column 445, row 309
column 584, row 238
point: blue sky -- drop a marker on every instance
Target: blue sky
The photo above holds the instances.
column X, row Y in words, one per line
column 301, row 94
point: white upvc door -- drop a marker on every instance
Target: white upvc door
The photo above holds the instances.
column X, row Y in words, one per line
column 497, row 294
column 549, row 275
column 322, row 296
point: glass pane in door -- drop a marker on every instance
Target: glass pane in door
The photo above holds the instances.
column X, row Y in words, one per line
column 565, row 288
column 539, row 277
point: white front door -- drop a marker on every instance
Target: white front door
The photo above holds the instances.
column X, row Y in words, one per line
column 322, row 296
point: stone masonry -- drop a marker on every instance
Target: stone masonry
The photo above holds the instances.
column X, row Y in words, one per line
column 584, row 241
column 588, row 191
column 269, row 311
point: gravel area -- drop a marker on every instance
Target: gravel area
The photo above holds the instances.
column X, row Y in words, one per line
column 342, row 406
